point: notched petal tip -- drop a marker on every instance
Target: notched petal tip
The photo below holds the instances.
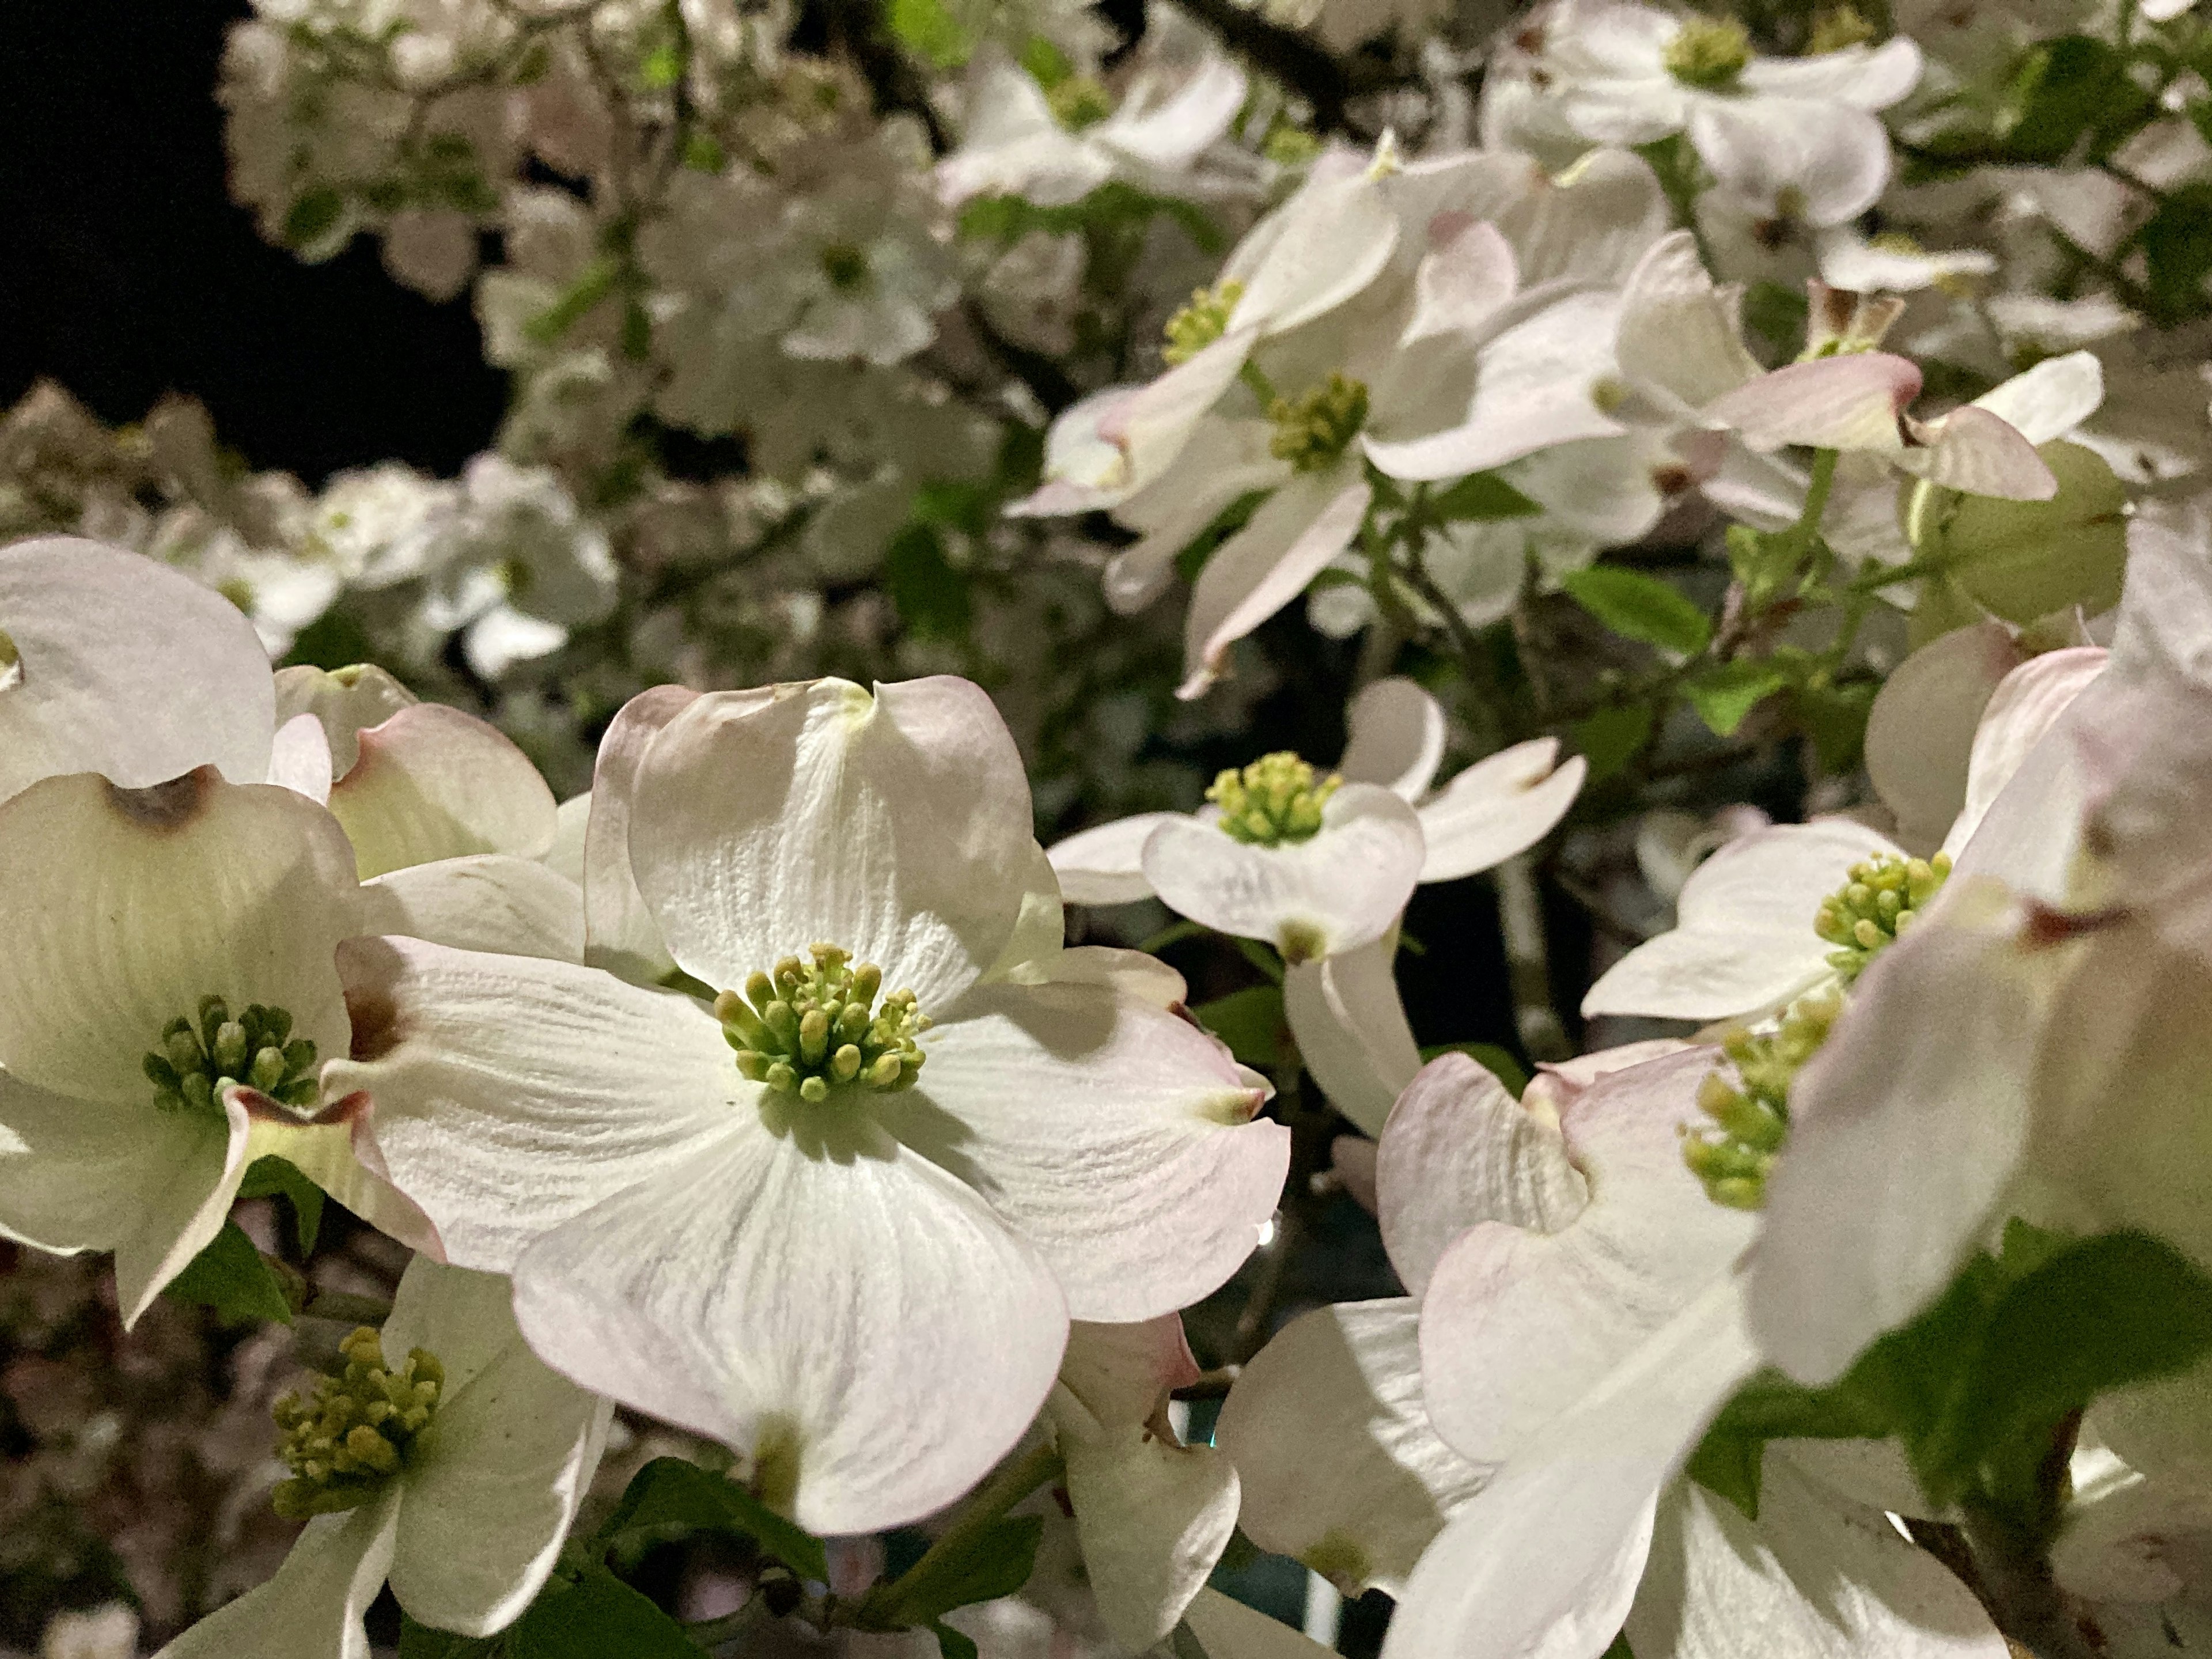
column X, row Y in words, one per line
column 368, row 967
column 166, row 807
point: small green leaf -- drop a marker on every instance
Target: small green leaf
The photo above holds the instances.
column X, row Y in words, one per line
column 669, row 1497
column 1046, row 62
column 1835, row 717
column 272, row 1177
column 598, row 1617
column 1620, row 1649
column 582, row 296
column 1640, row 607
column 1269, row 964
column 1610, row 737
column 1498, row 1063
column 1249, row 1021
column 931, row 32
column 997, row 1562
column 1482, row 496
column 423, row 1642
column 950, row 1644
column 1726, row 693
column 230, row 1277
column 313, row 215
column 933, row 598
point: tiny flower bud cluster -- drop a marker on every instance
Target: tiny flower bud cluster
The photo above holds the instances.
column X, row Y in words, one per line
column 1865, row 916
column 1752, row 1114
column 1273, row 801
column 342, row 1444
column 195, row 1063
column 1312, row 430
column 1709, row 52
column 810, row 1025
column 1201, row 322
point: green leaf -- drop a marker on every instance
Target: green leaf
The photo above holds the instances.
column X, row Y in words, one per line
column 582, row 296
column 671, row 1497
column 272, row 1177
column 1620, row 1649
column 1249, row 1021
column 1640, row 607
column 1269, row 964
column 1835, row 717
column 423, row 1642
column 933, row 598
column 313, row 216
column 950, row 1644
column 1725, row 693
column 2177, row 248
column 998, row 1562
column 1500, row 1063
column 931, row 32
column 1610, row 737
column 1482, row 496
column 598, row 1617
column 1046, row 62
column 2067, row 92
column 1777, row 315
column 230, row 1277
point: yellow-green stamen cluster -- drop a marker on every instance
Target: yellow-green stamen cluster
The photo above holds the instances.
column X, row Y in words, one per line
column 196, row 1060
column 810, row 1025
column 1275, row 799
column 1750, row 1113
column 355, row 1433
column 1708, row 52
column 1865, row 916
column 1838, row 28
column 1079, row 102
column 1313, row 430
column 1201, row 322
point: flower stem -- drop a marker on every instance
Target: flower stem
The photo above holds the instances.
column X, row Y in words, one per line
column 986, row 1506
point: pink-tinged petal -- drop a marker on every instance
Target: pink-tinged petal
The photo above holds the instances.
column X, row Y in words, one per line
column 1743, row 941
column 1461, row 285
column 485, row 1508
column 1123, row 1374
column 619, row 932
column 1396, row 734
column 1920, row 732
column 1328, row 1431
column 316, row 1602
column 122, row 666
column 1351, row 1029
column 1503, row 804
column 432, row 782
column 512, row 1093
column 1127, row 973
column 124, row 908
column 852, row 1320
column 334, row 1149
column 895, row 825
column 1794, row 160
column 1337, row 891
column 2049, row 400
column 1850, row 402
column 1459, row 1150
column 1112, row 1136
column 1972, row 450
column 1083, row 469
column 2017, row 718
column 515, row 907
column 1678, row 331
column 1863, row 1228
column 2165, row 627
column 1816, row 1577
column 1516, row 1326
column 1267, row 563
column 345, row 701
column 1105, row 864
column 1229, row 1630
column 1868, row 78
column 1546, row 1561
column 299, row 758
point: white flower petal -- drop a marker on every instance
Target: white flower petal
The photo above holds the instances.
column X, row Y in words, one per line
column 1463, row 284
column 2049, row 400
column 1172, row 132
column 484, row 1512
column 1122, row 1373
column 896, row 826
column 619, row 932
column 1790, row 158
column 2015, row 719
column 432, row 782
column 511, row 1093
column 334, row 1150
column 299, row 758
column 1865, row 78
column 1974, row 450
column 1340, row 1469
column 572, row 822
column 1337, row 891
column 1458, row 1149
column 125, row 906
column 1396, row 734
column 126, row 668
column 1338, row 235
column 1590, row 225
column 486, row 902
column 1852, row 402
column 1151, row 425
column 317, row 1600
column 852, row 1320
column 1920, row 732
column 1677, row 330
column 1502, row 805
column 1112, row 1136
column 1105, row 865
column 1744, row 939
column 1223, row 461
column 346, row 701
column 1351, row 1029
column 1228, row 1629
column 1516, row 1327
column 1267, row 563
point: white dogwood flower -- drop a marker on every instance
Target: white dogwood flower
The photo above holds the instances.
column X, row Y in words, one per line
column 851, row 1247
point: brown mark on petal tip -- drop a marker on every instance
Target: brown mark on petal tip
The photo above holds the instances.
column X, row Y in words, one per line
column 368, row 966
column 1672, row 480
column 167, row 806
column 2044, row 926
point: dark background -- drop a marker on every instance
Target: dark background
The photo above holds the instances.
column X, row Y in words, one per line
column 126, row 271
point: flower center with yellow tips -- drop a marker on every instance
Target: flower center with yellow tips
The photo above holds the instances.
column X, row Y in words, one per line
column 197, row 1059
column 813, row 1025
column 1708, row 52
column 344, row 1442
column 1201, row 322
column 1865, row 915
column 1311, row 431
column 1749, row 1112
column 1275, row 800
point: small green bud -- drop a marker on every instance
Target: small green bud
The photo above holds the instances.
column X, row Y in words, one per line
column 1708, row 52
column 1312, row 431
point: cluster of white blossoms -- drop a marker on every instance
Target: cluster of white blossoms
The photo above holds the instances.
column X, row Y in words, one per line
column 1745, row 472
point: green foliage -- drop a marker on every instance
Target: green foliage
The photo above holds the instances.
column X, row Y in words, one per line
column 1610, row 737
column 423, row 1642
column 1483, row 495
column 2177, row 248
column 1250, row 1022
column 230, row 1277
column 1835, row 717
column 314, row 216
column 669, row 1498
column 1726, row 693
column 934, row 599
column 2069, row 96
column 596, row 1617
column 2023, row 560
column 1115, row 206
column 1640, row 607
column 271, row 1177
column 997, row 1562
column 925, row 28
column 1498, row 1063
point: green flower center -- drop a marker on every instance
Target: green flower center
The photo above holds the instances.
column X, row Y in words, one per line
column 1839, row 29
column 1750, row 1114
column 1708, row 52
column 1201, row 322
column 812, row 1025
column 1079, row 102
column 354, row 1433
column 1865, row 916
column 196, row 1060
column 1273, row 801
column 1311, row 431
column 845, row 267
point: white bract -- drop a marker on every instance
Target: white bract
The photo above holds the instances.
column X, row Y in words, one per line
column 851, row 1249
